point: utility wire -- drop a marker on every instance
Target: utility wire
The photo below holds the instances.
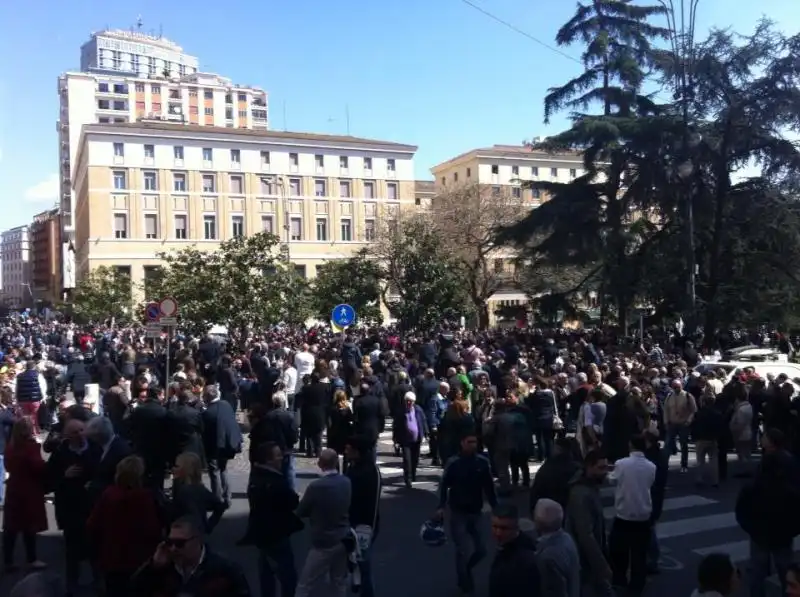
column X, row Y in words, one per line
column 521, row 32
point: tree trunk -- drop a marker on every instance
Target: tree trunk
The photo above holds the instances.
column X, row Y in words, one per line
column 482, row 309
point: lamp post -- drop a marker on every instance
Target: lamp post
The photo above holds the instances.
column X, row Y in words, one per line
column 279, row 181
column 681, row 22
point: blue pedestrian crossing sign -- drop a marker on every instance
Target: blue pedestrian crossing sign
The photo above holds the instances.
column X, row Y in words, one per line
column 343, row 315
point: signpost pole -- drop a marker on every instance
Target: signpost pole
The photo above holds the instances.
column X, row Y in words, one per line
column 166, row 365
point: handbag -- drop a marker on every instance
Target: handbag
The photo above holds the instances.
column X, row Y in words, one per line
column 558, row 424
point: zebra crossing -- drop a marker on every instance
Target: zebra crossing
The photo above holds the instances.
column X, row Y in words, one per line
column 692, row 525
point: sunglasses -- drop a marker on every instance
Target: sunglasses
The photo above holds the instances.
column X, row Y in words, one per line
column 177, row 543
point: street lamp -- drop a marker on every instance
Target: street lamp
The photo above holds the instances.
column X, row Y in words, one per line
column 279, row 181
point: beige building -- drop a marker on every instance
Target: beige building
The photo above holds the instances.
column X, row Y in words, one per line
column 148, row 187
column 505, row 169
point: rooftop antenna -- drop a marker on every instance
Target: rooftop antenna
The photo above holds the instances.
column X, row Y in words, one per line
column 139, row 23
column 160, row 31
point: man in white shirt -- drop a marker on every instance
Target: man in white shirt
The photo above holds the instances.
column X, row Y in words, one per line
column 289, row 379
column 304, row 362
column 630, row 533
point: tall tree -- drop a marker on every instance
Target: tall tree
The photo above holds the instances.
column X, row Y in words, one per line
column 355, row 281
column 467, row 219
column 606, row 215
column 422, row 283
column 245, row 282
column 102, row 294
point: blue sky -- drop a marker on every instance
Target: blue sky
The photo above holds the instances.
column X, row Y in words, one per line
column 435, row 73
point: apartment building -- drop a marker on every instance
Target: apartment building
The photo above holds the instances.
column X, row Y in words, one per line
column 45, row 245
column 15, row 251
column 147, row 187
column 127, row 76
column 505, row 169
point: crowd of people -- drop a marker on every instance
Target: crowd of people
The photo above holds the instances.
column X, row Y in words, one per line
column 88, row 416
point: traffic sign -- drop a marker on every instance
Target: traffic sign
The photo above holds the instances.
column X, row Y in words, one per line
column 343, row 315
column 168, row 321
column 168, row 307
column 152, row 311
column 153, row 330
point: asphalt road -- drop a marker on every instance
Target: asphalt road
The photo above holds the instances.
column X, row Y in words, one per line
column 694, row 523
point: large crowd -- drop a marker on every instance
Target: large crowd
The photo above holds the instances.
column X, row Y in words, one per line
column 88, row 416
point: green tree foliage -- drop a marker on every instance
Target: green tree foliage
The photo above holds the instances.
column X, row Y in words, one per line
column 102, row 294
column 355, row 281
column 423, row 283
column 605, row 216
column 245, row 282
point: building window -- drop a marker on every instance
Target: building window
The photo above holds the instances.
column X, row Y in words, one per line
column 444, row 181
column 469, row 172
column 267, row 224
column 242, row 97
column 347, row 230
column 150, row 181
column 149, row 152
column 344, row 188
column 208, row 155
column 554, row 172
column 369, row 189
column 120, row 105
column 296, row 228
column 573, row 173
column 369, row 230
column 139, row 86
column 237, row 226
column 343, row 162
column 391, row 165
column 319, row 188
column 294, row 160
column 180, row 227
column 367, row 164
column 120, row 180
column 237, row 185
column 322, row 229
column 294, row 187
column 495, row 191
column 264, row 159
column 177, row 152
column 319, row 161
column 514, row 170
column 537, row 194
column 391, row 191
column 208, row 111
column 150, row 226
column 242, row 114
column 119, row 150
column 236, row 157
column 102, row 87
column 208, row 94
column 266, row 187
column 535, row 171
column 499, row 266
column 179, row 182
column 495, row 169
column 516, row 192
column 209, row 183
column 210, row 227
column 120, row 226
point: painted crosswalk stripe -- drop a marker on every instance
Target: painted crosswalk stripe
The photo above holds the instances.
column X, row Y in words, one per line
column 693, row 526
column 672, row 504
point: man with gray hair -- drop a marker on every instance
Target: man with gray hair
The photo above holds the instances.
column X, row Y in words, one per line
column 559, row 564
column 222, row 440
column 100, row 431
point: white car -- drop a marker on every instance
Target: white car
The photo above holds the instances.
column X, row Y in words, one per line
column 764, row 369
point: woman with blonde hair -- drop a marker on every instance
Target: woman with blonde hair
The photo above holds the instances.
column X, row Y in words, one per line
column 24, row 512
column 190, row 497
column 121, row 541
column 340, row 422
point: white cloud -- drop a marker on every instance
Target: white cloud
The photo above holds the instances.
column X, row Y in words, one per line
column 45, row 191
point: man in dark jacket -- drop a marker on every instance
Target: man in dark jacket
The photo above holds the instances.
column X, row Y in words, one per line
column 553, row 478
column 515, row 572
column 657, row 456
column 222, row 440
column 184, row 565
column 369, row 414
column 350, row 357
column 100, row 432
column 77, row 378
column 365, row 483
column 105, row 372
column 149, row 427
column 272, row 520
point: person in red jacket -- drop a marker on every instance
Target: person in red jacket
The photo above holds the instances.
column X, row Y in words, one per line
column 121, row 541
column 24, row 513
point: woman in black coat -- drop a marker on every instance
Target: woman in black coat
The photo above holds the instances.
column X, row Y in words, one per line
column 340, row 422
column 187, row 426
column 315, row 402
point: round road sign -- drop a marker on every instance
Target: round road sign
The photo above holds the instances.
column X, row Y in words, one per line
column 152, row 311
column 169, row 307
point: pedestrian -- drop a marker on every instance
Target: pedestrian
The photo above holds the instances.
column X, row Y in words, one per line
column 586, row 523
column 679, row 410
column 633, row 476
column 466, row 482
column 272, row 521
column 707, row 428
column 409, row 428
column 556, row 553
column 364, row 513
column 326, row 504
column 716, row 576
column 514, row 571
column 222, row 441
column 190, row 497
